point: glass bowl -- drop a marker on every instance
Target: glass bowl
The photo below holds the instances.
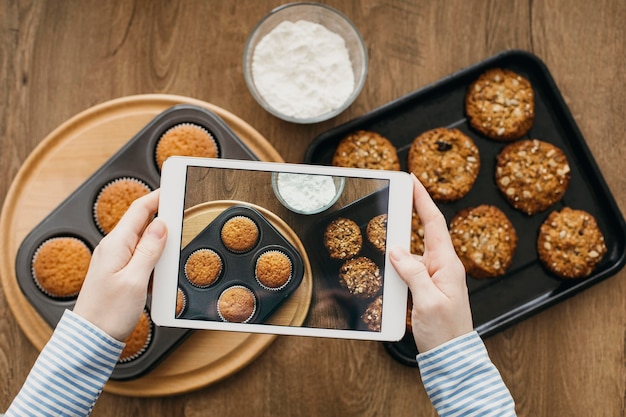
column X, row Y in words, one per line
column 332, row 20
column 307, row 189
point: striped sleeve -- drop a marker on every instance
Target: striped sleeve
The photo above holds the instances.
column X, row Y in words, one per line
column 70, row 372
column 461, row 380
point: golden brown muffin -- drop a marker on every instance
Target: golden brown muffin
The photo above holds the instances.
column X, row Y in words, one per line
column 361, row 277
column 185, row 140
column 446, row 161
column 570, row 243
column 484, row 239
column 376, row 232
column 114, row 200
column 273, row 270
column 500, row 104
column 203, row 267
column 532, row 175
column 363, row 149
column 60, row 265
column 181, row 302
column 236, row 304
column 138, row 340
column 343, row 238
column 240, row 234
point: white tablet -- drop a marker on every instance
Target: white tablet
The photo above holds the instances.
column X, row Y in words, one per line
column 282, row 248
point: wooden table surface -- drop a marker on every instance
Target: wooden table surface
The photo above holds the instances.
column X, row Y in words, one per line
column 60, row 58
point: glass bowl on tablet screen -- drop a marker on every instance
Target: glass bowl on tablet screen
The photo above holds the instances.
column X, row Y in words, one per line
column 307, row 193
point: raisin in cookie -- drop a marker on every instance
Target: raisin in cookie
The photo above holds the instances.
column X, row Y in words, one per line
column 532, row 175
column 446, row 161
column 343, row 238
column 484, row 239
column 500, row 104
column 570, row 243
column 363, row 149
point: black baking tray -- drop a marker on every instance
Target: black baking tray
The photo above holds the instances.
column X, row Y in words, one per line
column 238, row 268
column 361, row 212
column 73, row 217
column 527, row 287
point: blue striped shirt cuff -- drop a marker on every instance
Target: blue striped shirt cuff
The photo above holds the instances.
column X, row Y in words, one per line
column 70, row 372
column 461, row 380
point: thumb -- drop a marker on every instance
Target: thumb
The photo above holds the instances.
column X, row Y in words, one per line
column 411, row 270
column 148, row 249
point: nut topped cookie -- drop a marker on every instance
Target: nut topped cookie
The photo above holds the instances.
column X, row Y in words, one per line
column 500, row 104
column 446, row 161
column 570, row 243
column 484, row 239
column 361, row 277
column 532, row 175
column 376, row 232
column 364, row 149
column 343, row 238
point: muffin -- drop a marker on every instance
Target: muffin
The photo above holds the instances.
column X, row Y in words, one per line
column 114, row 199
column 60, row 265
column 374, row 314
column 240, row 234
column 273, row 270
column 570, row 243
column 484, row 239
column 500, row 104
column 138, row 340
column 203, row 267
column 446, row 161
column 363, row 149
column 343, row 238
column 376, row 232
column 417, row 234
column 181, row 302
column 236, row 304
column 361, row 277
column 185, row 139
column 532, row 175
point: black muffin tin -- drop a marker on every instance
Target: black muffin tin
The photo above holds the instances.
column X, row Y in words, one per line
column 238, row 268
column 527, row 287
column 361, row 212
column 74, row 218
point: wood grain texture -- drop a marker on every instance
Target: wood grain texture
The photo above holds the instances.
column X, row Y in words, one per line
column 60, row 58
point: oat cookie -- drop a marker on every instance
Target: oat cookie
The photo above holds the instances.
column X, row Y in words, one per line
column 484, row 239
column 361, row 276
column 446, row 161
column 374, row 314
column 376, row 232
column 570, row 243
column 343, row 238
column 532, row 175
column 364, row 149
column 500, row 104
column 417, row 234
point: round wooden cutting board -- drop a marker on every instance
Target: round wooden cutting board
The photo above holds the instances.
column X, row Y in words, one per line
column 62, row 162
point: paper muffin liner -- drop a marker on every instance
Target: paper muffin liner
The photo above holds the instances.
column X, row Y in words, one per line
column 255, row 242
column 34, row 275
column 145, row 346
column 290, row 270
column 178, row 125
column 182, row 310
column 104, row 187
column 219, row 274
column 219, row 313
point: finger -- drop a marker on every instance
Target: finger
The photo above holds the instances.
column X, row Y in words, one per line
column 436, row 234
column 412, row 271
column 148, row 251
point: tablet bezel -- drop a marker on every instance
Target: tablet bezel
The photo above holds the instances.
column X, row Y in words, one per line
column 171, row 210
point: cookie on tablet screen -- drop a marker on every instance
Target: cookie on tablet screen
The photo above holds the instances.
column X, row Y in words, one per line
column 500, row 104
column 484, row 239
column 446, row 161
column 570, row 243
column 364, row 149
column 532, row 175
